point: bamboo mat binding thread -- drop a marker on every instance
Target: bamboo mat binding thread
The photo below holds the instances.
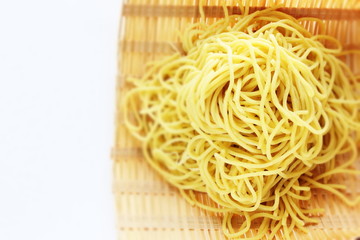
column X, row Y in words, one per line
column 217, row 11
column 147, row 207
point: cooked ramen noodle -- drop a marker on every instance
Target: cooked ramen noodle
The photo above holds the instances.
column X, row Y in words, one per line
column 247, row 114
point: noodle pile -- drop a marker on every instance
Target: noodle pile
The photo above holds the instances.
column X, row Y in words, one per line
column 247, row 115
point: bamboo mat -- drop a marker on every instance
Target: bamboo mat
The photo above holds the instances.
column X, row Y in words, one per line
column 149, row 208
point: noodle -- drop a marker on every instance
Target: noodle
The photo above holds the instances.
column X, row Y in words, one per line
column 247, row 116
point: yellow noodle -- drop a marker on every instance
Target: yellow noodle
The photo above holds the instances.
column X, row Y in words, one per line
column 247, row 115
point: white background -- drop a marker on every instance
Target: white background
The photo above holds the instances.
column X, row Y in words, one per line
column 57, row 95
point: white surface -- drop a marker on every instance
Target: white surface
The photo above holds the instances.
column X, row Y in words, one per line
column 57, row 79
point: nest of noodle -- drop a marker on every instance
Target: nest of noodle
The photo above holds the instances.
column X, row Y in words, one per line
column 254, row 112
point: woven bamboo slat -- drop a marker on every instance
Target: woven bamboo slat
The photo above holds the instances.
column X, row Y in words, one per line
column 149, row 208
